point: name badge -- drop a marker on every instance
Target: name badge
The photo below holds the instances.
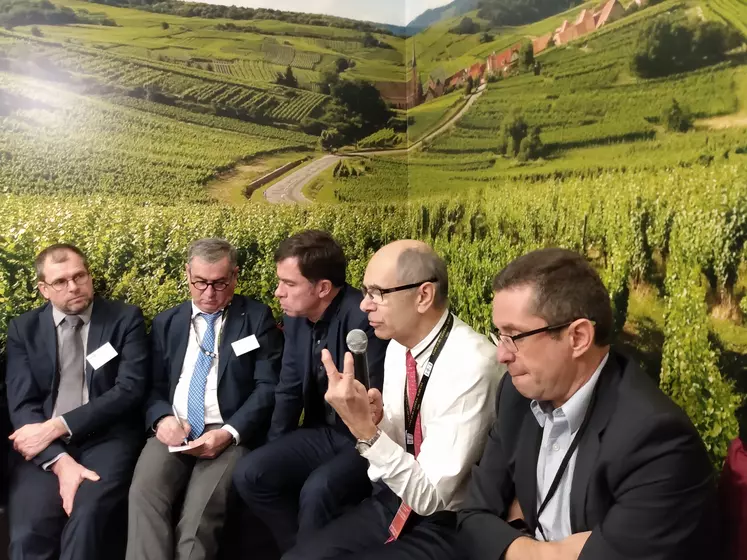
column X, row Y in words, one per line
column 99, row 357
column 244, row 345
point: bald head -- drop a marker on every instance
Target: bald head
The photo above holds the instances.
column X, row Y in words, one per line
column 411, row 261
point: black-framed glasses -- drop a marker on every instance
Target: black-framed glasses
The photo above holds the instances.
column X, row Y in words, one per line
column 509, row 341
column 376, row 295
column 218, row 285
column 62, row 283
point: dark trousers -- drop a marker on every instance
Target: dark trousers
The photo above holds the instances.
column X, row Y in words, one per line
column 96, row 528
column 361, row 534
column 300, row 482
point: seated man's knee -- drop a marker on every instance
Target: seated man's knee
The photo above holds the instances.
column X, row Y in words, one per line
column 317, row 492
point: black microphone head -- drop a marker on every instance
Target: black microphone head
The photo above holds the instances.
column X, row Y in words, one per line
column 357, row 341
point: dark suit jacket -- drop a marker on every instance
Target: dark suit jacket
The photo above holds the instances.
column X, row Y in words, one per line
column 295, row 392
column 643, row 483
column 116, row 389
column 246, row 384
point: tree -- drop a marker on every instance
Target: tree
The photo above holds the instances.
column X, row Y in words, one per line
column 342, row 64
column 36, row 32
column 465, row 27
column 486, row 38
column 526, row 56
column 516, row 140
column 331, row 138
column 676, row 118
column 287, row 79
column 666, row 46
column 468, row 85
column 164, row 25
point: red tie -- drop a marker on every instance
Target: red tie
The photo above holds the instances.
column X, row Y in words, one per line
column 412, row 388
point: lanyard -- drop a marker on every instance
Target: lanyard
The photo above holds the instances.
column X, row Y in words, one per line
column 209, row 353
column 412, row 417
column 566, row 459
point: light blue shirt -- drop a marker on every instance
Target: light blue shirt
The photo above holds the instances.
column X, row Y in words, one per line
column 559, row 428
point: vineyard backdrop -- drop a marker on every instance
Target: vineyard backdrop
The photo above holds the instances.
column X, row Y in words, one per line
column 130, row 130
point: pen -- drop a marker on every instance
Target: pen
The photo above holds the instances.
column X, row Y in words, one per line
column 173, row 409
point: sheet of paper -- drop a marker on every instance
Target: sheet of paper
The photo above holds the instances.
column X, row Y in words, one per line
column 180, row 448
column 244, row 345
column 99, row 357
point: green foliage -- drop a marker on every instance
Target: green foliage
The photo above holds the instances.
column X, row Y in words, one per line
column 466, row 27
column 667, row 46
column 384, row 138
column 526, row 56
column 287, row 79
column 164, row 25
column 469, row 85
column 517, row 140
column 349, row 168
column 486, row 38
column 676, row 118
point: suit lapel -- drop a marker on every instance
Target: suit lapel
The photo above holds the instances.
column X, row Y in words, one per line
column 588, row 448
column 525, row 468
column 95, row 334
column 179, row 335
column 235, row 318
column 49, row 342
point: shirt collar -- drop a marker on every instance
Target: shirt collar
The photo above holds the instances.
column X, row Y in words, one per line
column 85, row 315
column 430, row 337
column 196, row 310
column 575, row 409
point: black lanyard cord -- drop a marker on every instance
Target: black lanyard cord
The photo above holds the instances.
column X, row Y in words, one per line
column 411, row 417
column 566, row 459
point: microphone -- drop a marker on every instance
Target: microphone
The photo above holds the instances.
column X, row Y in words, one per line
column 357, row 342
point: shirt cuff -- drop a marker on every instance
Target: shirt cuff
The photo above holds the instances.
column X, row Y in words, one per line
column 383, row 452
column 46, row 466
column 234, row 433
column 64, row 423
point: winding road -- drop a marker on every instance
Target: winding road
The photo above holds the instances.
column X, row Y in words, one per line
column 289, row 188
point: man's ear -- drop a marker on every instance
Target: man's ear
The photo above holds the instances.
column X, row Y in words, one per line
column 581, row 336
column 324, row 287
column 43, row 289
column 426, row 296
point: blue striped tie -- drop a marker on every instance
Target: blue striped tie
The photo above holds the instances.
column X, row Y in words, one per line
column 196, row 400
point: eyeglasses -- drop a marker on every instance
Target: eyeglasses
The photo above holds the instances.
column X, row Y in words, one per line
column 218, row 285
column 509, row 341
column 376, row 295
column 62, row 283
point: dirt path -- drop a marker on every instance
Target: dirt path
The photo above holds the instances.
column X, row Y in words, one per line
column 288, row 189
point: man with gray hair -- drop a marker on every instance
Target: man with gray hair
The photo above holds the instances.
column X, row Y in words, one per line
column 216, row 361
column 420, row 445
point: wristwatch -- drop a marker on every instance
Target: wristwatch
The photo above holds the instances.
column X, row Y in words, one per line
column 363, row 445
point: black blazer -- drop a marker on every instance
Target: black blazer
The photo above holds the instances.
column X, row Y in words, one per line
column 294, row 392
column 246, row 384
column 643, row 483
column 116, row 390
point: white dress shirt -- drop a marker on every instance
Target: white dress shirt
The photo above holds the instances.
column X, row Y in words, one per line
column 559, row 428
column 181, row 393
column 456, row 413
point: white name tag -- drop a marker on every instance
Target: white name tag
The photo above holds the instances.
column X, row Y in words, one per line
column 101, row 356
column 244, row 345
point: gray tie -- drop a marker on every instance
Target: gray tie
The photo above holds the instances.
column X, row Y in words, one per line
column 72, row 366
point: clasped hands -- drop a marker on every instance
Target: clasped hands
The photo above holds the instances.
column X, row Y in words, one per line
column 361, row 410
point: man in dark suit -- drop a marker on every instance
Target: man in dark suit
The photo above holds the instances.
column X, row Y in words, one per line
column 303, row 478
column 587, row 458
column 77, row 375
column 216, row 360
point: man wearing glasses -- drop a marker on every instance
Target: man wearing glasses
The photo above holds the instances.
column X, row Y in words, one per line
column 216, row 361
column 422, row 436
column 587, row 457
column 305, row 476
column 76, row 379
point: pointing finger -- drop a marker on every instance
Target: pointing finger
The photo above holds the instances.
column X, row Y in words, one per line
column 332, row 374
column 349, row 365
